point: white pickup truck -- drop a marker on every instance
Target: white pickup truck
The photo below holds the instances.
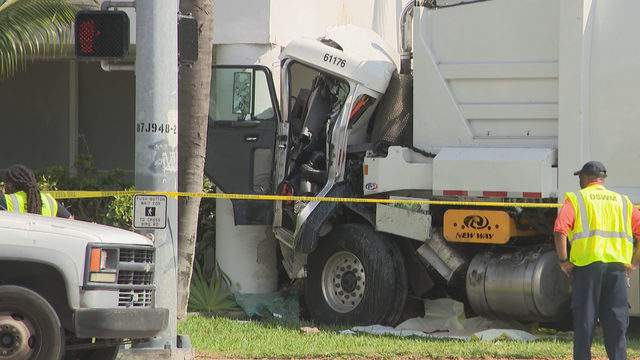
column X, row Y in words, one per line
column 73, row 289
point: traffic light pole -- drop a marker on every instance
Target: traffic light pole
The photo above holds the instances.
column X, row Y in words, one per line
column 156, row 142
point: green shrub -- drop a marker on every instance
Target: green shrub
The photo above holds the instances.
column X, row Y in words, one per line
column 205, row 240
column 120, row 211
column 108, row 211
column 210, row 292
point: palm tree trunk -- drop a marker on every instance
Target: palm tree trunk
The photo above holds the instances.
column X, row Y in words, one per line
column 193, row 103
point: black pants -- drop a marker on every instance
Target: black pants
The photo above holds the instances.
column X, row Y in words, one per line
column 600, row 292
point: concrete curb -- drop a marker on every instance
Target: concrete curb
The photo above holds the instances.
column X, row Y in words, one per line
column 144, row 354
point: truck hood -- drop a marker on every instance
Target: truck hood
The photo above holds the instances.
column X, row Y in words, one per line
column 90, row 232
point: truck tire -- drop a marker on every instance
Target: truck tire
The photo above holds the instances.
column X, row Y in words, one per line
column 355, row 276
column 396, row 311
column 29, row 326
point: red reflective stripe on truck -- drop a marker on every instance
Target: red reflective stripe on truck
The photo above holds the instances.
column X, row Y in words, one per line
column 455, row 193
column 489, row 194
column 494, row 194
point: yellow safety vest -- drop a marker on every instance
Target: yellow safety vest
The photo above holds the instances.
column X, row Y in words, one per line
column 602, row 227
column 17, row 202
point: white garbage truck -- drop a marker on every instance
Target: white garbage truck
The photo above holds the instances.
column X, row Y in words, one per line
column 493, row 101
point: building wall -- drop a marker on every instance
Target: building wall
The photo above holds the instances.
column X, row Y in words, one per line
column 294, row 19
column 280, row 21
column 241, row 22
column 55, row 109
column 34, row 116
column 38, row 116
column 106, row 116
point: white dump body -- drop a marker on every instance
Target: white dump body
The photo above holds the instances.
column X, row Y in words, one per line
column 521, row 74
column 486, row 74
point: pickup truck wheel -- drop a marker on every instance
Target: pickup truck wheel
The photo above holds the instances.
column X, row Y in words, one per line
column 355, row 276
column 29, row 327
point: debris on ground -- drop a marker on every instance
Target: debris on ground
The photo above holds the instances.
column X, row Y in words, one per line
column 309, row 330
column 444, row 318
column 276, row 307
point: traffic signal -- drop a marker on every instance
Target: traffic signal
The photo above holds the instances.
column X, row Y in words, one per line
column 187, row 39
column 102, row 34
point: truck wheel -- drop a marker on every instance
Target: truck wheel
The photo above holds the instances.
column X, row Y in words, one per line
column 29, row 327
column 355, row 276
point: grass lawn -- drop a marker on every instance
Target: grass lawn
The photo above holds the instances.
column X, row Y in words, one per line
column 224, row 338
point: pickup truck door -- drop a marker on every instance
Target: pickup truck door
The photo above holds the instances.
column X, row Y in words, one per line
column 243, row 118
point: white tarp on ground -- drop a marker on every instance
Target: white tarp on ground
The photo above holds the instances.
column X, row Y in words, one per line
column 444, row 318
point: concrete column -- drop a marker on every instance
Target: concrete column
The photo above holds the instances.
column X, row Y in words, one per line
column 245, row 253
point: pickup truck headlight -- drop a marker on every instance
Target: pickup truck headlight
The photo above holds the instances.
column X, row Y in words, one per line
column 103, row 265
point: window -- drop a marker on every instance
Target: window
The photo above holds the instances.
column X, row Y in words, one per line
column 240, row 94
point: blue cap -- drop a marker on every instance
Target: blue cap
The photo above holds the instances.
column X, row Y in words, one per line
column 593, row 168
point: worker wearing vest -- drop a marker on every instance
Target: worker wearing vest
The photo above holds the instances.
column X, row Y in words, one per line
column 22, row 194
column 600, row 226
column 17, row 202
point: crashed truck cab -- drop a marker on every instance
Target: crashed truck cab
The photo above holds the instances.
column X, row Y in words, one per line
column 347, row 126
column 329, row 90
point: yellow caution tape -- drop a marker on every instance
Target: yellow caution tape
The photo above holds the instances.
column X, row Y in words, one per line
column 63, row 194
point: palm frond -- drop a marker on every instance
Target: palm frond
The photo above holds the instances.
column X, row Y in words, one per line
column 210, row 293
column 30, row 28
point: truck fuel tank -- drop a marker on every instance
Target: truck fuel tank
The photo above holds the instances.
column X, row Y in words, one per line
column 523, row 285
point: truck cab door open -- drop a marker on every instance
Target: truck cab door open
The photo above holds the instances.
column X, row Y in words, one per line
column 243, row 116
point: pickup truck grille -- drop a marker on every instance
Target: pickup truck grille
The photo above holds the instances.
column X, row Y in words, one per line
column 135, row 277
column 135, row 298
column 136, row 255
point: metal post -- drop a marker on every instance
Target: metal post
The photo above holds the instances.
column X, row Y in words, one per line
column 156, row 164
column 73, row 116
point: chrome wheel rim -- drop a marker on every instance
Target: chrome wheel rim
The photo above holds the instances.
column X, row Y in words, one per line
column 343, row 281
